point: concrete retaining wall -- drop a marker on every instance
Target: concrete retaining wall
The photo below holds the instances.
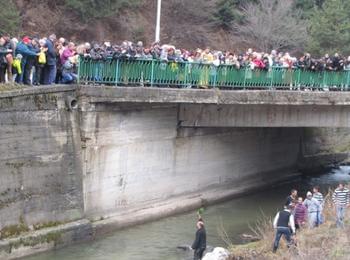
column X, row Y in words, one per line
column 40, row 176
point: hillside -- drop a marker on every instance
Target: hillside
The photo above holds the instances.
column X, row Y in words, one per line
column 296, row 26
column 184, row 23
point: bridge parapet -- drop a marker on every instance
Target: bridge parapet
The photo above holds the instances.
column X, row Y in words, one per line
column 212, row 96
column 218, row 108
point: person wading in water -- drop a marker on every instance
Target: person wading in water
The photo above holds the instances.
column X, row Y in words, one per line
column 200, row 243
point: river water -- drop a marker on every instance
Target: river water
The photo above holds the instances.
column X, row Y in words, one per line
column 158, row 240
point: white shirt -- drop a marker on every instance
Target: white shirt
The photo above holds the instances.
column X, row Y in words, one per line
column 291, row 220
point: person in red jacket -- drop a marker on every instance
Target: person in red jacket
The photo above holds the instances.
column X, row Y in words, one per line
column 258, row 62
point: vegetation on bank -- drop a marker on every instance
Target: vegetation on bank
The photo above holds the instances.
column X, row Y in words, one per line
column 324, row 242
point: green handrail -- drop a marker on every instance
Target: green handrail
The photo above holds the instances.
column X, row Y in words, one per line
column 138, row 72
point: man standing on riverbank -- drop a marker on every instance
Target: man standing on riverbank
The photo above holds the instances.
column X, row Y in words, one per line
column 341, row 201
column 300, row 214
column 319, row 197
column 284, row 223
column 292, row 198
column 200, row 243
column 313, row 209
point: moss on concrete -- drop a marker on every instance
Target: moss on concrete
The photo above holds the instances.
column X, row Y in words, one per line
column 51, row 237
column 13, row 230
column 47, row 225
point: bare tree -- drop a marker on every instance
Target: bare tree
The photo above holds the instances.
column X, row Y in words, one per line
column 272, row 24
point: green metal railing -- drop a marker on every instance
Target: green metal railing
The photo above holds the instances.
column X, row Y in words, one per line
column 182, row 74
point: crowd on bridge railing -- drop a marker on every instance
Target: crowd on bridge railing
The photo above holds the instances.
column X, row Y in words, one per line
column 35, row 61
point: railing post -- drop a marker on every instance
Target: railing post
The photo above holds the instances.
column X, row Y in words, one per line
column 245, row 76
column 79, row 64
column 152, row 73
column 324, row 80
column 298, row 79
column 185, row 79
column 272, row 74
column 117, row 73
column 215, row 75
column 347, row 79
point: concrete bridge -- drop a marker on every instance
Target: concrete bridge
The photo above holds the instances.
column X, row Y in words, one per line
column 94, row 159
column 217, row 108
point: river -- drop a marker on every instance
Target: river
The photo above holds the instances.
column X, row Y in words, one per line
column 158, row 240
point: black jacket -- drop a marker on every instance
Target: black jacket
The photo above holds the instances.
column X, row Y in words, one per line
column 201, row 239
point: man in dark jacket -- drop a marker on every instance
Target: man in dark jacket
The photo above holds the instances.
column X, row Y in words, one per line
column 50, row 66
column 200, row 243
column 292, row 198
column 337, row 62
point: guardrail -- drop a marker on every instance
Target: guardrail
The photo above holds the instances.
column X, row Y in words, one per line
column 183, row 74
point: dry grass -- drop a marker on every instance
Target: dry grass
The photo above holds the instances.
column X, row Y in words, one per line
column 324, row 242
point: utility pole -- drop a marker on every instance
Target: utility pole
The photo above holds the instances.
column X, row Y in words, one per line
column 159, row 6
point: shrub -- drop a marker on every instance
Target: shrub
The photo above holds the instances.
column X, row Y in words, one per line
column 9, row 18
column 89, row 9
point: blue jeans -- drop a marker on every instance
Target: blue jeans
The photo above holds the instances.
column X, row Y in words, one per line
column 285, row 231
column 340, row 216
column 49, row 74
column 19, row 77
column 320, row 216
column 313, row 219
column 68, row 78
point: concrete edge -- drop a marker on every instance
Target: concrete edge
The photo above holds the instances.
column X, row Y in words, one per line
column 110, row 94
column 37, row 90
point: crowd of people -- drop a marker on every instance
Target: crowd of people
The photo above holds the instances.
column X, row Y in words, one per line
column 35, row 61
column 299, row 213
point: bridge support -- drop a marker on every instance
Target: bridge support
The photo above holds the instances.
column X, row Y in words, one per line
column 195, row 115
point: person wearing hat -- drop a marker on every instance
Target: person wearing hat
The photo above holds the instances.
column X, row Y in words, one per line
column 313, row 209
column 23, row 48
column 284, row 225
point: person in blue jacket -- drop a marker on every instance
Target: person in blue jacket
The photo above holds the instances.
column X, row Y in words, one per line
column 24, row 49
